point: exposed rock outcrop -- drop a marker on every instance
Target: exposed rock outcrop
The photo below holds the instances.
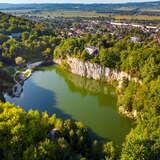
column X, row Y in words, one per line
column 129, row 114
column 95, row 71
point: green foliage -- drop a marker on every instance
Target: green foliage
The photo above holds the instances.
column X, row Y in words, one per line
column 3, row 38
column 10, row 24
column 26, row 135
column 126, row 99
column 143, row 142
column 33, row 40
column 150, row 70
column 110, row 152
column 140, row 60
column 65, row 65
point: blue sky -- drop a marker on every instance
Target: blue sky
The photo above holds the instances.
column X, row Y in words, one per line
column 71, row 1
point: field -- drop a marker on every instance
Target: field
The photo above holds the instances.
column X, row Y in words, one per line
column 85, row 14
column 63, row 13
column 137, row 17
column 89, row 14
column 57, row 13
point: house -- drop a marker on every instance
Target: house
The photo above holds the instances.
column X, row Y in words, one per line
column 92, row 50
column 135, row 39
column 118, row 24
column 14, row 35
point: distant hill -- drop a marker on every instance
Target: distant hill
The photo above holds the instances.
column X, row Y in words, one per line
column 153, row 5
column 146, row 8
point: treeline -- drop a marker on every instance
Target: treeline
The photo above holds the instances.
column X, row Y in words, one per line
column 140, row 58
column 21, row 37
column 30, row 46
column 11, row 24
column 35, row 136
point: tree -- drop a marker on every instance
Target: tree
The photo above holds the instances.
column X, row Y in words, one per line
column 25, row 36
column 150, row 70
column 110, row 151
column 3, row 38
column 19, row 60
column 47, row 54
column 142, row 143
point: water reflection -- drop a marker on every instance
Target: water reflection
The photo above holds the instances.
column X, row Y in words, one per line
column 83, row 86
column 54, row 90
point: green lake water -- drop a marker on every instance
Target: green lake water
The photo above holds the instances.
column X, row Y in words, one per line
column 57, row 91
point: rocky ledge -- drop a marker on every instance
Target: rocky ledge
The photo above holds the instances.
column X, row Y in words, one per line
column 95, row 71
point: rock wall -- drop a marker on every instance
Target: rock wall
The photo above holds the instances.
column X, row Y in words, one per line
column 95, row 71
column 89, row 85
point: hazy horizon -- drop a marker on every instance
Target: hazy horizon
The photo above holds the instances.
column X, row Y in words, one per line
column 73, row 1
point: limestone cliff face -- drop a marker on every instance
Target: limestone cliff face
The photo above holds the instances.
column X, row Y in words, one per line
column 95, row 71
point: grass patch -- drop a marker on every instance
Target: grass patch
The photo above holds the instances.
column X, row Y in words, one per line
column 137, row 17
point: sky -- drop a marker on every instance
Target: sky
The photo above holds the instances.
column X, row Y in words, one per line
column 72, row 1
